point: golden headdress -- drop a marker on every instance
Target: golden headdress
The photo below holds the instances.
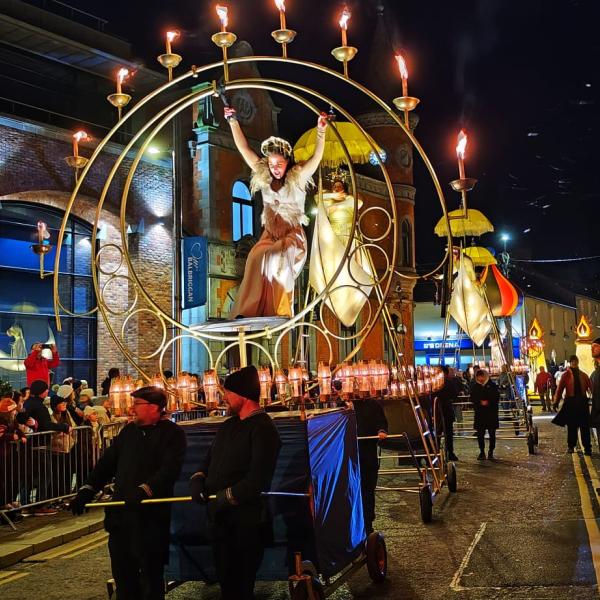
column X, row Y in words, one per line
column 276, row 145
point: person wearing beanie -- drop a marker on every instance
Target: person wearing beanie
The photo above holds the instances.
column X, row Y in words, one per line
column 145, row 460
column 574, row 412
column 67, row 393
column 595, row 379
column 34, row 407
column 85, row 398
column 238, row 467
column 64, row 456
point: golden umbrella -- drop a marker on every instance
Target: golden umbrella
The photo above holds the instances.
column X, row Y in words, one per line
column 358, row 145
column 461, row 225
column 480, row 256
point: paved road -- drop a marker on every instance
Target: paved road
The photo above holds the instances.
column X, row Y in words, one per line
column 518, row 529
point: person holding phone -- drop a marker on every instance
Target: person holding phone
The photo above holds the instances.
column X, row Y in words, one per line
column 37, row 366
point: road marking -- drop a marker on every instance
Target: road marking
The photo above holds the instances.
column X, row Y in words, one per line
column 102, row 542
column 68, row 548
column 10, row 576
column 589, row 517
column 455, row 583
column 593, row 475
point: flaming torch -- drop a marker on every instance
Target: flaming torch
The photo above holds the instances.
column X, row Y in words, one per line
column 171, row 35
column 170, row 60
column 119, row 99
column 224, row 38
column 461, row 146
column 344, row 53
column 43, row 245
column 77, row 162
column 121, row 77
column 405, row 102
column 80, row 136
column 403, row 73
column 283, row 35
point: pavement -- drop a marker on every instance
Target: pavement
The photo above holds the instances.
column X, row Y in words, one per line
column 520, row 528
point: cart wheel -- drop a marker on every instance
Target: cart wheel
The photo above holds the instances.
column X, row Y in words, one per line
column 451, row 474
column 426, row 503
column 300, row 592
column 536, row 438
column 376, row 557
column 531, row 443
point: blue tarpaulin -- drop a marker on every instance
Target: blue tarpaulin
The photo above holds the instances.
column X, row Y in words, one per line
column 319, row 454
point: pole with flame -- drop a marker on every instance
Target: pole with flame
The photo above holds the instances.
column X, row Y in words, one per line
column 463, row 184
column 170, row 60
column 224, row 39
column 76, row 161
column 43, row 245
column 283, row 35
column 405, row 102
column 119, row 100
column 344, row 53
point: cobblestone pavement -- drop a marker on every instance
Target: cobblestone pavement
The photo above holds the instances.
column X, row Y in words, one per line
column 515, row 529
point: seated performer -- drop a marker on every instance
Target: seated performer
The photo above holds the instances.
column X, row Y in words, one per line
column 279, row 255
column 353, row 284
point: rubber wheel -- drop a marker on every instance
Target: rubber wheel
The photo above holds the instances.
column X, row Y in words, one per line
column 536, row 438
column 376, row 557
column 426, row 503
column 451, row 474
column 300, row 592
column 530, row 443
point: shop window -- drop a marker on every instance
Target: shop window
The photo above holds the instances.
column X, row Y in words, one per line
column 26, row 302
column 242, row 211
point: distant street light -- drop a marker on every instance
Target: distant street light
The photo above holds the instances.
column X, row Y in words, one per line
column 504, row 238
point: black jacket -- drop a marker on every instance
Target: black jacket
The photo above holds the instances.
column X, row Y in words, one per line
column 370, row 420
column 485, row 416
column 150, row 455
column 34, row 407
column 445, row 400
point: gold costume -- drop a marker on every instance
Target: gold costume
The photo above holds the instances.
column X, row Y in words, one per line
column 352, row 286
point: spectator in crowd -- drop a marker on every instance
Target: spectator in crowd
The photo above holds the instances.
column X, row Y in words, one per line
column 10, row 434
column 559, row 373
column 37, row 366
column 485, row 398
column 370, row 422
column 25, row 423
column 34, row 407
column 446, row 398
column 574, row 412
column 85, row 398
column 238, row 467
column 105, row 386
column 595, row 379
column 145, row 460
column 17, row 398
column 543, row 386
column 63, row 464
column 25, row 392
column 67, row 393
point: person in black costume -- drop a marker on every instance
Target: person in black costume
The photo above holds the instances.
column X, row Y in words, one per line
column 145, row 459
column 370, row 421
column 446, row 397
column 485, row 398
column 238, row 467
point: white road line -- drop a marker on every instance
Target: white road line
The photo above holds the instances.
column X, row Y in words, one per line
column 455, row 583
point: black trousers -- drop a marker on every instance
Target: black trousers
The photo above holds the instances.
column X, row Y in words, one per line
column 586, row 436
column 481, row 438
column 369, row 468
column 449, row 434
column 136, row 577
column 237, row 551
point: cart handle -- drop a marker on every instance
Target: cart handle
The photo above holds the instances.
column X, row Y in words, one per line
column 115, row 503
column 376, row 437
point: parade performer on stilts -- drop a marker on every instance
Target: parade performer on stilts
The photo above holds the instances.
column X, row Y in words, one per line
column 278, row 257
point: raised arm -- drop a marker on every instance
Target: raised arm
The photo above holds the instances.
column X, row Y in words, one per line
column 311, row 165
column 239, row 138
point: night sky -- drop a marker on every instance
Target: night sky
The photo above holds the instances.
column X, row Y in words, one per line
column 520, row 77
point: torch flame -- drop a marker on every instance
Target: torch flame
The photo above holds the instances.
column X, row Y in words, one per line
column 80, row 135
column 43, row 233
column 171, row 35
column 583, row 329
column 461, row 144
column 280, row 4
column 402, row 66
column 122, row 74
column 222, row 14
column 535, row 331
column 346, row 14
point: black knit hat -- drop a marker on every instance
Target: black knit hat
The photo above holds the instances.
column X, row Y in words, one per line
column 55, row 400
column 244, row 383
column 152, row 395
column 38, row 387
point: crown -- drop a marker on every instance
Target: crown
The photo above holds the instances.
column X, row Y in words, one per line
column 276, row 145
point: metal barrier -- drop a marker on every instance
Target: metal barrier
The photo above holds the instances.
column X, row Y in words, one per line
column 48, row 467
column 107, row 433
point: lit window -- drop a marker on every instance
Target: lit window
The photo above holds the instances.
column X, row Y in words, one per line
column 242, row 211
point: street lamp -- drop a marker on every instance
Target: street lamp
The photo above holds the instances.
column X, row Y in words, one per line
column 505, row 238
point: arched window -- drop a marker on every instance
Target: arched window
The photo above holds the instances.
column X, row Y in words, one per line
column 26, row 301
column 406, row 258
column 242, row 211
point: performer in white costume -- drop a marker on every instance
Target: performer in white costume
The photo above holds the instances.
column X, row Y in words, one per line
column 333, row 226
column 279, row 255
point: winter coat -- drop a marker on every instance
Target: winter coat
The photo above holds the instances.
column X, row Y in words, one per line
column 445, row 400
column 567, row 385
column 595, row 380
column 34, row 407
column 38, row 368
column 63, row 442
column 485, row 416
column 543, row 382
